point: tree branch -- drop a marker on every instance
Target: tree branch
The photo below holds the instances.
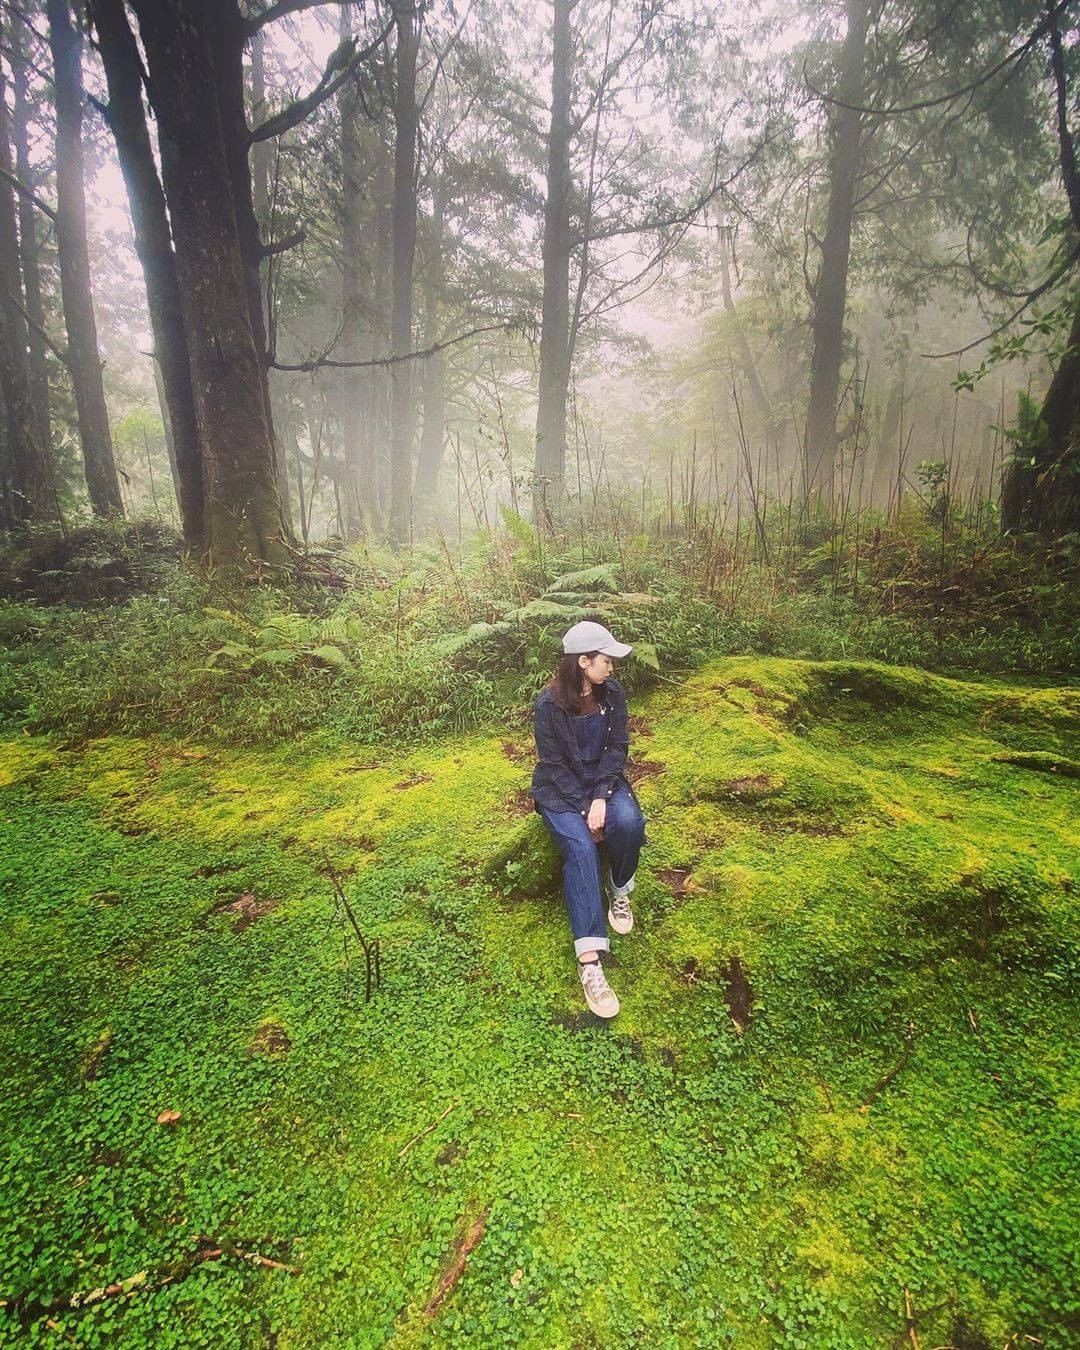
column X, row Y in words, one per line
column 29, row 194
column 324, row 361
column 343, row 61
column 283, row 245
column 1016, row 55
column 280, row 10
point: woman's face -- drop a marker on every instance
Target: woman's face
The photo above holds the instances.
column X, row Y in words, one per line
column 597, row 668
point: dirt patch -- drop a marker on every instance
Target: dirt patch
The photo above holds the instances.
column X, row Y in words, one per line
column 246, row 909
column 738, row 995
column 519, row 804
column 690, row 971
column 451, row 1152
column 106, row 899
column 211, row 870
column 755, row 689
column 272, row 1040
column 675, row 879
column 413, row 780
column 516, row 754
column 576, row 1022
column 637, row 769
column 750, row 789
column 94, row 1056
column 363, row 767
column 640, row 726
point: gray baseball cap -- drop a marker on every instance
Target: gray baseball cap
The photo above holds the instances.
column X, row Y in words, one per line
column 593, row 637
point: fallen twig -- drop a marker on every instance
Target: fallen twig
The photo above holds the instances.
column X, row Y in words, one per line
column 209, row 1249
column 468, row 1245
column 427, row 1129
column 909, row 1317
column 886, row 1078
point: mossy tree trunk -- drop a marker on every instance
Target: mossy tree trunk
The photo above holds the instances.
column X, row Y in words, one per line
column 243, row 517
column 1041, row 485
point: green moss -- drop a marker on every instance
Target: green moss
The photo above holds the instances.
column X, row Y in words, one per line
column 899, row 1114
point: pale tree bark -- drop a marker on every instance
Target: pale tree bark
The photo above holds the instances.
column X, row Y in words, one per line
column 32, row 498
column 433, row 430
column 361, row 491
column 126, row 118
column 408, row 20
column 555, row 313
column 243, row 517
column 84, row 360
column 261, row 155
column 830, row 294
column 29, row 243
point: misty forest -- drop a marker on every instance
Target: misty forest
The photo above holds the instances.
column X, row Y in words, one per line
column 357, row 357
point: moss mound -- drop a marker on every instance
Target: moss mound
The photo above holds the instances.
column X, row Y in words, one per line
column 843, row 1091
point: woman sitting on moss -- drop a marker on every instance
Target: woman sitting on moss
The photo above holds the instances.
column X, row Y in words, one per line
column 578, row 787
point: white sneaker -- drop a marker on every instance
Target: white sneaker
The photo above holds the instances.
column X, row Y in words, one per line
column 620, row 915
column 599, row 995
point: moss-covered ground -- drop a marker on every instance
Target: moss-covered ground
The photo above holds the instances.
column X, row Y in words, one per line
column 840, row 1104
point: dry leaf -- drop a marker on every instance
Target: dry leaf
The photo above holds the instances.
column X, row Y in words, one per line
column 517, row 1277
column 168, row 1117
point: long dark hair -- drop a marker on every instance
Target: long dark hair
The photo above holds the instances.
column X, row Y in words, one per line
column 568, row 683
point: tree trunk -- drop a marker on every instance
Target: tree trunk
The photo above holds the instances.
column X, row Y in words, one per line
column 402, row 409
column 1041, row 485
column 433, row 432
column 153, row 244
column 32, row 497
column 243, row 518
column 261, row 213
column 84, row 361
column 555, row 314
column 28, row 236
column 830, row 297
column 771, row 423
column 357, row 444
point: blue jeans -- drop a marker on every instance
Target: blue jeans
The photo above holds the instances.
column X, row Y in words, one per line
column 624, row 834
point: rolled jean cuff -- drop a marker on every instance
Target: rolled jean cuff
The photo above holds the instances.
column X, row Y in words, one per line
column 591, row 944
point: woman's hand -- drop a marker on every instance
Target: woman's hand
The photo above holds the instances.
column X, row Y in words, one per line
column 597, row 816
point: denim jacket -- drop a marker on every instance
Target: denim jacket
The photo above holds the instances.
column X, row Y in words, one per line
column 558, row 781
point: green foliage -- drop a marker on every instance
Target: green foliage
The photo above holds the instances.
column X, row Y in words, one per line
column 898, row 1115
column 437, row 642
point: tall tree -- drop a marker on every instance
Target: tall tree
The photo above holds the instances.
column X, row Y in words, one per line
column 243, row 517
column 408, row 18
column 555, row 312
column 830, row 288
column 84, row 360
column 126, row 118
column 30, row 473
column 29, row 240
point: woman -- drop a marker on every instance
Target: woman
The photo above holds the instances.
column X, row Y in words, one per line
column 579, row 789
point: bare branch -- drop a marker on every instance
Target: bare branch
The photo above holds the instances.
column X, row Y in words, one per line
column 343, row 61
column 29, row 193
column 281, row 8
column 326, row 362
column 283, row 245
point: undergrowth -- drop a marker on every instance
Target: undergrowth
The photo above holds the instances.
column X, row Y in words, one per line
column 446, row 638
